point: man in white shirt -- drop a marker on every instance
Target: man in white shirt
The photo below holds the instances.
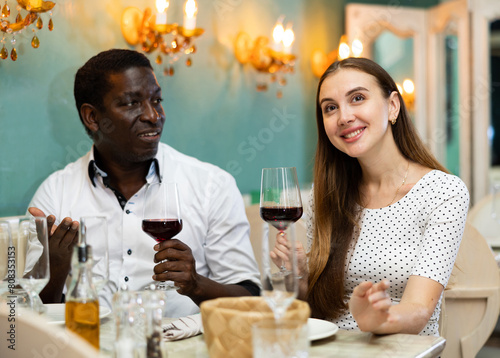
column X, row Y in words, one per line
column 119, row 102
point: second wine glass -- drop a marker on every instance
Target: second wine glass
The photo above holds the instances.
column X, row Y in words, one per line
column 30, row 239
column 280, row 206
column 162, row 216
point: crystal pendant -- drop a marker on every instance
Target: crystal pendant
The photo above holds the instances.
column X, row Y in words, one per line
column 171, row 71
column 39, row 23
column 4, row 53
column 159, row 60
column 19, row 17
column 193, row 49
column 5, row 10
column 279, row 94
column 51, row 25
column 189, row 62
column 30, row 18
column 35, row 42
column 13, row 54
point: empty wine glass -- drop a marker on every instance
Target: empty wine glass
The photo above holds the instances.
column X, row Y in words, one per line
column 162, row 216
column 96, row 229
column 280, row 206
column 29, row 238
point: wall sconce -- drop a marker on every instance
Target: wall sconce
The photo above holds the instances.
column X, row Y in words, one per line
column 12, row 25
column 320, row 60
column 408, row 93
column 154, row 33
column 272, row 61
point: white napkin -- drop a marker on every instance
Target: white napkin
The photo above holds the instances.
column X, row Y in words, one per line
column 183, row 327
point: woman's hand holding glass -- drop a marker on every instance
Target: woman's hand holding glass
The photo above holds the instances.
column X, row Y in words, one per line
column 281, row 255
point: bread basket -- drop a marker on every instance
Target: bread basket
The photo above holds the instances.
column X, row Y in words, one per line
column 227, row 323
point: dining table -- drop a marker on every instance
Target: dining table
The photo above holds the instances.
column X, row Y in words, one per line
column 343, row 344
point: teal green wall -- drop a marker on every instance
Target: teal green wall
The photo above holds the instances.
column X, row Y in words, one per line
column 212, row 108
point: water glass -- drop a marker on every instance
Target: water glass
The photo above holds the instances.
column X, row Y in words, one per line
column 138, row 316
column 280, row 339
column 24, row 259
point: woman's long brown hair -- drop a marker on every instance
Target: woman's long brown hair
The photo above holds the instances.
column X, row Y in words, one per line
column 337, row 199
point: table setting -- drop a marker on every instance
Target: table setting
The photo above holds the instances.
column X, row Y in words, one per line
column 276, row 324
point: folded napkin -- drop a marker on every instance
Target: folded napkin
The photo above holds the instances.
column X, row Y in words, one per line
column 183, row 327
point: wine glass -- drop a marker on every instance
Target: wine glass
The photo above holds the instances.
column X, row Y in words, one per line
column 280, row 206
column 31, row 246
column 162, row 217
column 96, row 229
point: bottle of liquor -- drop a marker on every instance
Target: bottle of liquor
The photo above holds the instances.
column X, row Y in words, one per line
column 82, row 303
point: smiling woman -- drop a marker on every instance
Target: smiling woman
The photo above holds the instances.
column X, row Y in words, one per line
column 387, row 219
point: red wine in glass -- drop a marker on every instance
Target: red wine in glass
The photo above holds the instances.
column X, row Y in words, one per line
column 161, row 217
column 162, row 229
column 280, row 206
column 280, row 217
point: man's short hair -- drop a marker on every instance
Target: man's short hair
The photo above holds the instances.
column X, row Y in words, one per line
column 91, row 80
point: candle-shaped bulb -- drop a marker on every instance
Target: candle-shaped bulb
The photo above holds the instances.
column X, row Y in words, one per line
column 190, row 11
column 344, row 49
column 408, row 86
column 278, row 33
column 357, row 48
column 288, row 38
column 161, row 15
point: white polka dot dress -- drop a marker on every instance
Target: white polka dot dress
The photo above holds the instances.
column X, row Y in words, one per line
column 418, row 235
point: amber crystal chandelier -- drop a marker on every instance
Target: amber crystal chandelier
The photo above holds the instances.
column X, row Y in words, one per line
column 273, row 59
column 18, row 16
column 167, row 41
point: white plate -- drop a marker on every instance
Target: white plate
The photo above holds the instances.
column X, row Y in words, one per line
column 319, row 329
column 56, row 312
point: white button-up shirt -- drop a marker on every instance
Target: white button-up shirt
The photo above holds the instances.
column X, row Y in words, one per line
column 215, row 226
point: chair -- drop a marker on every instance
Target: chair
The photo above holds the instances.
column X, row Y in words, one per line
column 34, row 337
column 471, row 300
column 480, row 215
column 259, row 226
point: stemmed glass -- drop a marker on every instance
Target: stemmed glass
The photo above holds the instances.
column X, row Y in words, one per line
column 96, row 229
column 162, row 217
column 280, row 206
column 26, row 243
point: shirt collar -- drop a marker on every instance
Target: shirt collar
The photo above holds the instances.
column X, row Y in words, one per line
column 94, row 170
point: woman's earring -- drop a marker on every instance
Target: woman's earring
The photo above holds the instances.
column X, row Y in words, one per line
column 393, row 121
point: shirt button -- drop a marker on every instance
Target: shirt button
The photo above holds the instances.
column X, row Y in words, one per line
column 129, row 252
column 126, row 278
column 127, row 211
